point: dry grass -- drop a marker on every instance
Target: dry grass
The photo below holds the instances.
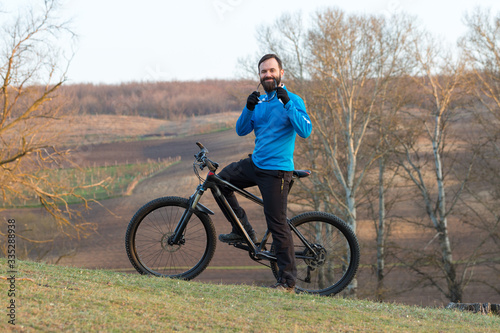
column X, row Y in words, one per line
column 92, row 129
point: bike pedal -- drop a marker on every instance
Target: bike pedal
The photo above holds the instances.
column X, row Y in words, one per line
column 241, row 243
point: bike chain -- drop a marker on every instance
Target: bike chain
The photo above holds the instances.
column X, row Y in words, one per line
column 263, row 264
column 235, row 244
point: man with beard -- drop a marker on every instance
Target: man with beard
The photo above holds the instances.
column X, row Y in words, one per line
column 276, row 118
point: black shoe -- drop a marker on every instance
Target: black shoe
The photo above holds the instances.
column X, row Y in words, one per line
column 283, row 287
column 234, row 237
column 230, row 238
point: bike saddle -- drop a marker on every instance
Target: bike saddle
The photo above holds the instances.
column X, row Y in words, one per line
column 301, row 173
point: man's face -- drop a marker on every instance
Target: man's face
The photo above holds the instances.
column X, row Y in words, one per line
column 269, row 71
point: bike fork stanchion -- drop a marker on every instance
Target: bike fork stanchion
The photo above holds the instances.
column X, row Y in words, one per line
column 181, row 226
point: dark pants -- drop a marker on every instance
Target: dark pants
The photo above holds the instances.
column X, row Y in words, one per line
column 273, row 185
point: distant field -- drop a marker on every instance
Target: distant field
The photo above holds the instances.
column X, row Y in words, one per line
column 120, row 178
column 117, row 180
column 95, row 129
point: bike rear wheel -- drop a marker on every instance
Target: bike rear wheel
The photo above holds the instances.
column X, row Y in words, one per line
column 337, row 254
column 146, row 240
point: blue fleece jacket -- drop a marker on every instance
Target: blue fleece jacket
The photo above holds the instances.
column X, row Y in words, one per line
column 275, row 126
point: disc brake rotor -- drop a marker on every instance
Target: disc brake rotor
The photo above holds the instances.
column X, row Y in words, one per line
column 167, row 247
column 319, row 259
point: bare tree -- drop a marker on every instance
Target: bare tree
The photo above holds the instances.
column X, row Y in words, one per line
column 354, row 60
column 382, row 191
column 432, row 161
column 481, row 46
column 33, row 67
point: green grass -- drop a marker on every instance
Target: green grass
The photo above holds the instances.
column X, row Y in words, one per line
column 81, row 300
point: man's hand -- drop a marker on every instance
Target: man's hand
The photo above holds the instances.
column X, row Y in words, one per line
column 252, row 100
column 282, row 95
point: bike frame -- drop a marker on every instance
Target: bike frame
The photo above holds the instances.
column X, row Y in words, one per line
column 214, row 182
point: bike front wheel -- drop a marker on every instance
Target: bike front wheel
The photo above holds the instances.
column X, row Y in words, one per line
column 146, row 240
column 330, row 259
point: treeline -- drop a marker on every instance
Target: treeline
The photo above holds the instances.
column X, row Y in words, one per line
column 166, row 100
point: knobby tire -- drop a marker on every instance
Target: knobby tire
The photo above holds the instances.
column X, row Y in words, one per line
column 146, row 240
column 339, row 252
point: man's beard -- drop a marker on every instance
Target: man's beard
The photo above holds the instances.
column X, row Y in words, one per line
column 270, row 85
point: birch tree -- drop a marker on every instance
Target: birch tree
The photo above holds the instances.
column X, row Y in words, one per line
column 429, row 157
column 354, row 60
column 382, row 188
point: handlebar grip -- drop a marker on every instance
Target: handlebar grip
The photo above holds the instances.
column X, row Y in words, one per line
column 200, row 145
column 210, row 166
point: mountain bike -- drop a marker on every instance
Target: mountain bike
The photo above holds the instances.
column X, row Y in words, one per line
column 175, row 237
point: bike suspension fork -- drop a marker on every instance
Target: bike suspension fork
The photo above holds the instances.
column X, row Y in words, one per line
column 186, row 216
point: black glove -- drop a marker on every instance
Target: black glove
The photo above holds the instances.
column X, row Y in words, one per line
column 282, row 95
column 252, row 100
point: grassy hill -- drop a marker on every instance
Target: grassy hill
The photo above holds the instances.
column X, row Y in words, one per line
column 57, row 298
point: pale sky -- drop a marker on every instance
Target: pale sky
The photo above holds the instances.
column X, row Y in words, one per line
column 151, row 40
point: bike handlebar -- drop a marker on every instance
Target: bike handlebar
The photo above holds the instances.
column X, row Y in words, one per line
column 201, row 146
column 204, row 160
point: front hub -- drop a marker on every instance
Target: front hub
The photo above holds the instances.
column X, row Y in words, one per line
column 167, row 244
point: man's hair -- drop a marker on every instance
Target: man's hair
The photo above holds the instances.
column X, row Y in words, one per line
column 267, row 57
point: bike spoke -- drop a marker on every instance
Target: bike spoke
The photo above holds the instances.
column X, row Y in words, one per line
column 153, row 250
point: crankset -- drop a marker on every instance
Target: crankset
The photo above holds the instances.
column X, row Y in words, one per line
column 263, row 254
